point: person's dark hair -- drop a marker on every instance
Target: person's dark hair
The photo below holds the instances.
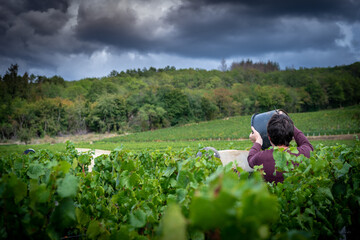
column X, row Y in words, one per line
column 280, row 129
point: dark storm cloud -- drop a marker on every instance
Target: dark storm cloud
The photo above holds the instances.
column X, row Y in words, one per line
column 119, row 26
column 39, row 33
column 45, row 23
column 211, row 28
column 244, row 27
column 114, row 26
column 31, row 32
column 334, row 9
column 13, row 8
column 21, row 21
column 41, row 5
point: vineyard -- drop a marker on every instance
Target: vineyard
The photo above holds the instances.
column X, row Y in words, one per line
column 221, row 134
column 175, row 195
column 329, row 122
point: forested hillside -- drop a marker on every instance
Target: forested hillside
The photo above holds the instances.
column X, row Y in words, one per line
column 146, row 99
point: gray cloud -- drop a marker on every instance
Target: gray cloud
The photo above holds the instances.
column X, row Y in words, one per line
column 329, row 9
column 45, row 23
column 50, row 34
column 243, row 27
column 220, row 28
column 114, row 26
column 33, row 32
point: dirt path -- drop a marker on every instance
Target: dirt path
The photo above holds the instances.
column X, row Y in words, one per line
column 98, row 152
column 334, row 137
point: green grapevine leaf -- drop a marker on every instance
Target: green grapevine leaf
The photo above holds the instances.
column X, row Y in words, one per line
column 64, row 167
column 35, row 171
column 197, row 235
column 184, row 178
column 181, row 195
column 18, row 187
column 280, row 160
column 202, row 213
column 18, row 164
column 325, row 192
column 68, row 186
column 93, row 230
column 138, row 218
column 64, row 215
column 169, row 171
column 84, row 159
column 345, row 169
column 173, row 182
column 171, row 198
column 81, row 217
column 174, row 224
column 134, row 180
column 75, row 163
column 38, row 193
column 294, row 150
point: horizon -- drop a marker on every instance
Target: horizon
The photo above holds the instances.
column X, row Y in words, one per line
column 189, row 68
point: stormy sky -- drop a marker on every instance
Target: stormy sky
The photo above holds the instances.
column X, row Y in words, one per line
column 89, row 38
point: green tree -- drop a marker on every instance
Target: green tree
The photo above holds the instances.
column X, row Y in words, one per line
column 210, row 110
column 318, row 97
column 214, row 82
column 108, row 114
column 135, row 84
column 197, row 111
column 14, row 85
column 74, row 91
column 50, row 90
column 176, row 104
column 151, row 117
column 97, row 89
column 244, row 94
column 225, row 103
column 77, row 113
column 50, row 116
column 335, row 93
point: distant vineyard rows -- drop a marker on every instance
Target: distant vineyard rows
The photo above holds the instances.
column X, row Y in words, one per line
column 329, row 122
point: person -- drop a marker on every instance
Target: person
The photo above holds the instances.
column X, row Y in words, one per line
column 30, row 150
column 281, row 131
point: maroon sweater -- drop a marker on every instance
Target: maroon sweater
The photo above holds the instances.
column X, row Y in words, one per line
column 258, row 157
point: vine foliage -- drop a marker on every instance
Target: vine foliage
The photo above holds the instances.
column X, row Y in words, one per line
column 173, row 194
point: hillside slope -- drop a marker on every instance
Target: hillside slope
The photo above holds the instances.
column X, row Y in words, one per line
column 329, row 122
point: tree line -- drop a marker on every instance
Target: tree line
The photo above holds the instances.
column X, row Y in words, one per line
column 147, row 99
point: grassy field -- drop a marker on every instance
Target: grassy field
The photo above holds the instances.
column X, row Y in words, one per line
column 329, row 122
column 221, row 134
column 153, row 146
